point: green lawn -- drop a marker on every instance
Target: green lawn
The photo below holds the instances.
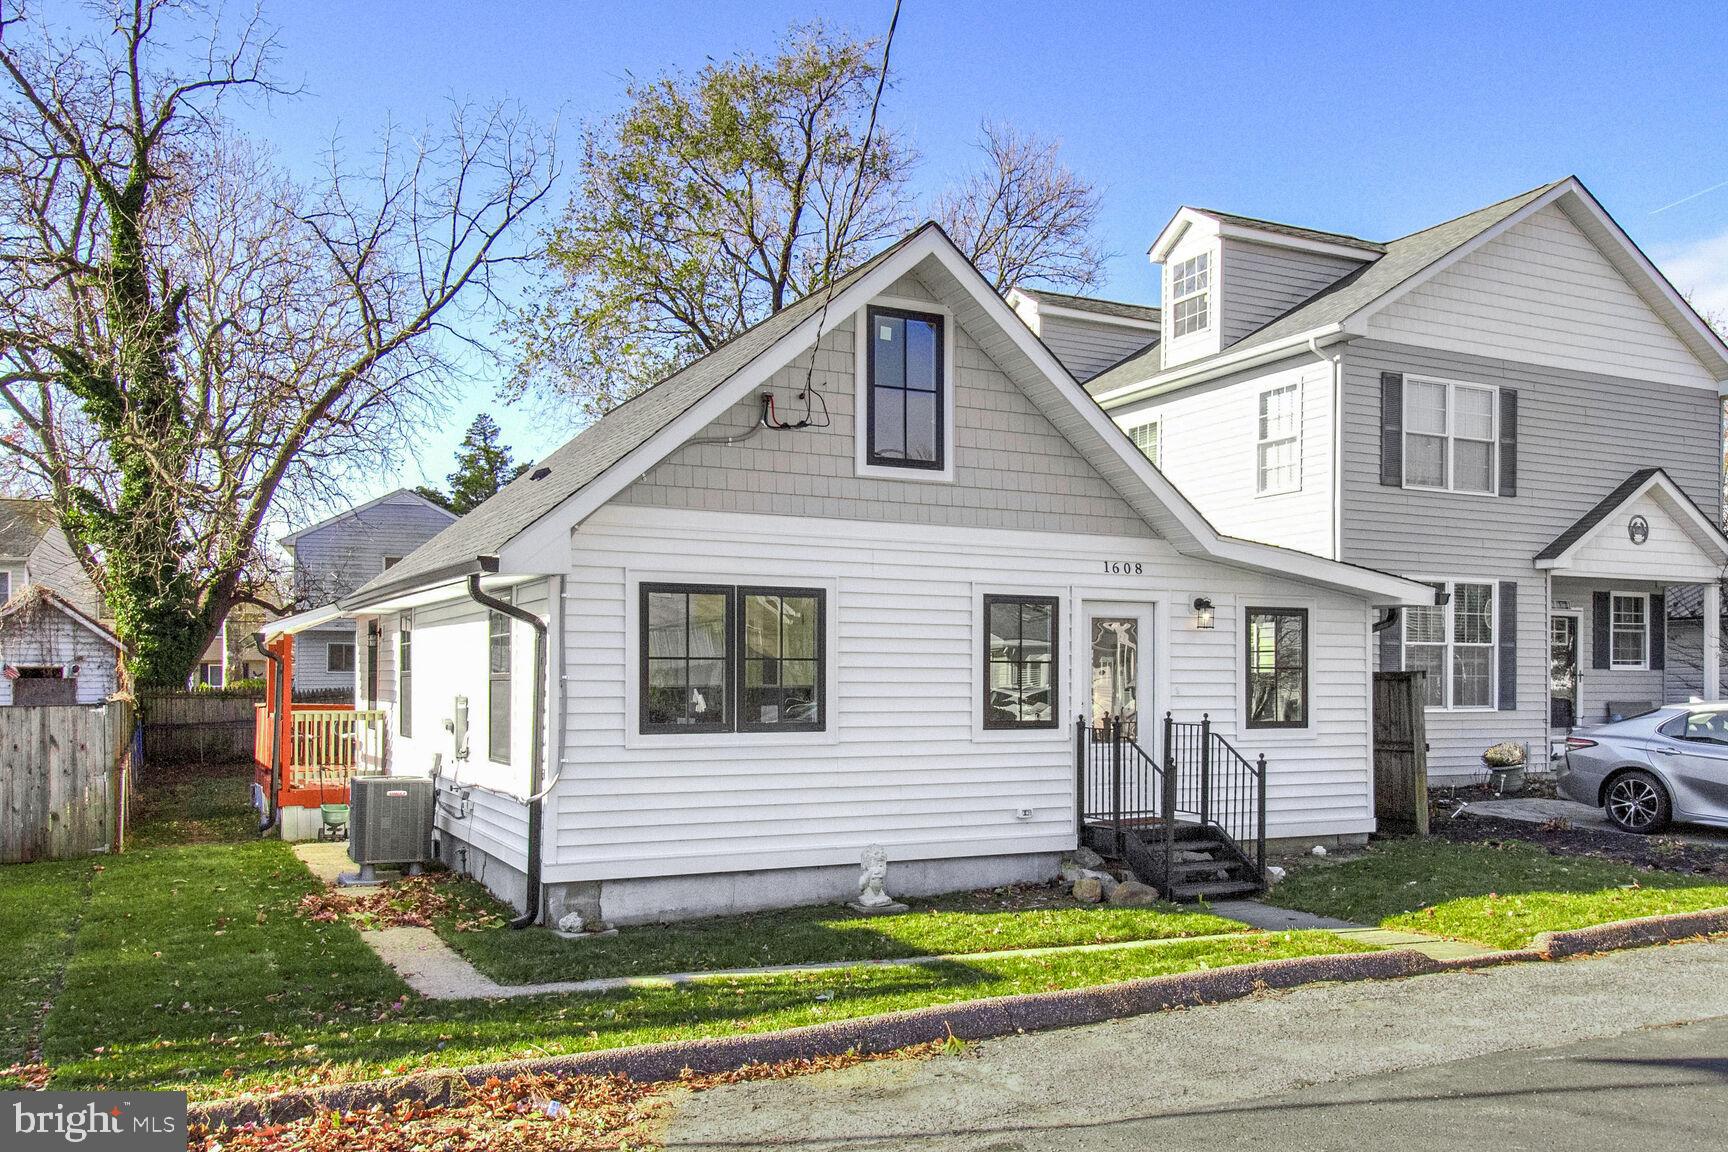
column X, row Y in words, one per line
column 1500, row 895
column 948, row 925
column 38, row 910
column 190, row 968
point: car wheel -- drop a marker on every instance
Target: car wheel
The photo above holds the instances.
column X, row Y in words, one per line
column 1637, row 802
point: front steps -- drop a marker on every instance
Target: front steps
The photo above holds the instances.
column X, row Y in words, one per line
column 1204, row 863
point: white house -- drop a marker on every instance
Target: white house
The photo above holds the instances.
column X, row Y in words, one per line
column 848, row 580
column 1513, row 405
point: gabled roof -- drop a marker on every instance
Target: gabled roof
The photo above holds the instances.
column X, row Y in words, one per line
column 33, row 594
column 1342, row 309
column 1564, row 546
column 1295, row 232
column 1113, row 309
column 359, row 509
column 581, row 476
column 23, row 523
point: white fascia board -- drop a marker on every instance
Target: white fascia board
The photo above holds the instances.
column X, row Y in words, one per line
column 1224, row 364
column 552, row 528
column 1699, row 527
column 1177, row 230
column 1274, row 239
column 303, row 621
column 1067, row 313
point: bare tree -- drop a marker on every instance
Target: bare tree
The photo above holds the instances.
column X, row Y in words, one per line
column 713, row 201
column 189, row 338
column 1023, row 215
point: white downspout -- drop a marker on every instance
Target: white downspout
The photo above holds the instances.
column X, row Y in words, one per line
column 1336, row 363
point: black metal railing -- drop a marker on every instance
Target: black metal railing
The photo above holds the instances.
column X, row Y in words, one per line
column 1199, row 779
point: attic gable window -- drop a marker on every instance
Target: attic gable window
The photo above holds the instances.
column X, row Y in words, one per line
column 1190, row 295
column 1147, row 438
column 906, row 389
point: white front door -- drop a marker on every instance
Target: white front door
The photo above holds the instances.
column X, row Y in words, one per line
column 1116, row 673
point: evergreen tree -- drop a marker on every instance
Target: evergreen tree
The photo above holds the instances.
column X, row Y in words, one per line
column 482, row 467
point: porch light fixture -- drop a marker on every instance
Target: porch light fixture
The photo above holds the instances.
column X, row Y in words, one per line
column 1202, row 612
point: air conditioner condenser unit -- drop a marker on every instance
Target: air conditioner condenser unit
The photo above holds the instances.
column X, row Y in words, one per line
column 389, row 822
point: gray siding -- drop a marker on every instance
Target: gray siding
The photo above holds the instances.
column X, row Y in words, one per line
column 1086, row 349
column 52, row 565
column 1598, row 686
column 336, row 557
column 312, row 656
column 1259, row 283
column 1579, row 435
column 1013, row 469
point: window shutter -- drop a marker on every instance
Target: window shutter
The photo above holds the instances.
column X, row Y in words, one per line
column 1392, row 429
column 1508, row 645
column 1508, row 442
column 1658, row 631
column 1392, row 646
column 1599, row 638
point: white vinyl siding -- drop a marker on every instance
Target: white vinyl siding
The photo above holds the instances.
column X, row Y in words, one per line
column 1450, row 435
column 1209, row 447
column 908, row 643
column 1278, row 441
column 1454, row 647
column 1541, row 293
column 1629, row 631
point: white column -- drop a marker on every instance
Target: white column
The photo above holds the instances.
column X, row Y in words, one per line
column 1712, row 640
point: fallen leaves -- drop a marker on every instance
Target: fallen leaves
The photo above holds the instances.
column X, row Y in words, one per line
column 520, row 1114
column 412, row 902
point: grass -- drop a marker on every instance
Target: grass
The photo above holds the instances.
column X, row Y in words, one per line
column 37, row 918
column 191, row 968
column 1501, row 895
column 947, row 925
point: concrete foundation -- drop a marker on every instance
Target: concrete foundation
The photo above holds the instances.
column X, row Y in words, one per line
column 661, row 899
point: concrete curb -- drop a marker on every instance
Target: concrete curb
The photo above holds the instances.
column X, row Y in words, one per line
column 968, row 1020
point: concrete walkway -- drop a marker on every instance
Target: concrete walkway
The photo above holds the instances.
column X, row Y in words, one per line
column 1537, row 810
column 1101, row 1087
column 1271, row 918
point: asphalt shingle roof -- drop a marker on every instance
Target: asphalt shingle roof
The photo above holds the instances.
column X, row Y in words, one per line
column 1093, row 304
column 1604, row 509
column 1296, row 232
column 602, row 444
column 1403, row 258
column 23, row 522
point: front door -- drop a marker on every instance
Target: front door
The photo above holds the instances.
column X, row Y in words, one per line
column 1563, row 673
column 1119, row 679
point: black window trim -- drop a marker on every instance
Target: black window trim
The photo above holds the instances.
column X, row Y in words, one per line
column 1054, row 603
column 1248, row 614
column 940, row 322
column 732, row 722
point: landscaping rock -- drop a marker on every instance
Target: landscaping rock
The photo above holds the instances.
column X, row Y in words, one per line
column 1088, row 891
column 1274, row 873
column 1086, row 858
column 1133, row 894
column 571, row 923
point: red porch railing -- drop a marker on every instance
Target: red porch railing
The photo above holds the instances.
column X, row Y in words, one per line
column 322, row 746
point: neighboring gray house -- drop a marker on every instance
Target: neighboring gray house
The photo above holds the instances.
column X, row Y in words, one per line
column 1513, row 405
column 33, row 550
column 334, row 557
column 1087, row 335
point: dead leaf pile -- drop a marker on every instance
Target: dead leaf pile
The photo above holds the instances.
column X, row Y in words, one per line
column 527, row 1113
column 412, row 902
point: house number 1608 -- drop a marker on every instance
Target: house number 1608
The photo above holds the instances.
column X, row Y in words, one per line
column 1123, row 567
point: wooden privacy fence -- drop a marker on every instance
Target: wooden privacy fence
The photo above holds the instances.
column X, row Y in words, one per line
column 1400, row 753
column 197, row 726
column 65, row 777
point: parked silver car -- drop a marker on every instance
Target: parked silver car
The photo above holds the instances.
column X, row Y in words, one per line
column 1669, row 764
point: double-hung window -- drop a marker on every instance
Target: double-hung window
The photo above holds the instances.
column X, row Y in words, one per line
column 498, row 687
column 1146, row 438
column 1454, row 647
column 1020, row 674
column 719, row 658
column 1277, row 667
column 1190, row 295
column 1451, row 435
column 339, row 657
column 1278, row 441
column 405, row 678
column 906, row 389
column 1629, row 630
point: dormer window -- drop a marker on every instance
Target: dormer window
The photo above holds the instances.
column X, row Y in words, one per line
column 906, row 425
column 1190, row 295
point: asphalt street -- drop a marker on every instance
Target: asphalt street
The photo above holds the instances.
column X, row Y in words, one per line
column 1626, row 1051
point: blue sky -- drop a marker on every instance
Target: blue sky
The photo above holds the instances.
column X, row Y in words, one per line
column 1375, row 119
